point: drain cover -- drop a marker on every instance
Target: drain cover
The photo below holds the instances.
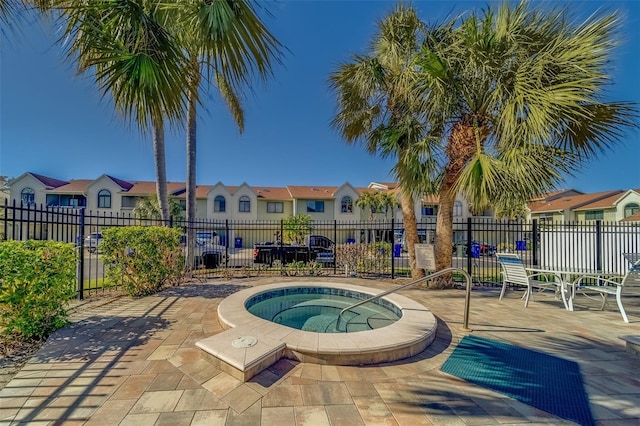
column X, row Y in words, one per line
column 244, row 342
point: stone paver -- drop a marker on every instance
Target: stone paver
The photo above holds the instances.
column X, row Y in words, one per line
column 134, row 362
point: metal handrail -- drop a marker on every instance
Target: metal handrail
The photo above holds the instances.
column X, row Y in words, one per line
column 465, row 324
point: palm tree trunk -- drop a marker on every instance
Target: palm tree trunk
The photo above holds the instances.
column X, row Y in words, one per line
column 461, row 147
column 411, row 232
column 161, row 169
column 191, row 166
column 444, row 231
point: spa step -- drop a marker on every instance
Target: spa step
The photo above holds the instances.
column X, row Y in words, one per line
column 633, row 343
column 240, row 353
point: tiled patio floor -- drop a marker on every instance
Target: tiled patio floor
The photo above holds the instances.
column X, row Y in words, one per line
column 134, row 362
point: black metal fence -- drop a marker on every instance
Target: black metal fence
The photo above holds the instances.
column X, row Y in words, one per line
column 362, row 248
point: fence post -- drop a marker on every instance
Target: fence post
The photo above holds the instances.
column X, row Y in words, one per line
column 81, row 255
column 6, row 219
column 21, row 221
column 469, row 243
column 534, row 244
column 598, row 245
column 393, row 250
column 335, row 246
column 226, row 243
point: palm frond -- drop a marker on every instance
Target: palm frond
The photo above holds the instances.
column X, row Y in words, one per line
column 232, row 100
column 130, row 55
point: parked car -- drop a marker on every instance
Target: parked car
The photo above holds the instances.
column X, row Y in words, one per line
column 315, row 248
column 92, row 241
column 207, row 253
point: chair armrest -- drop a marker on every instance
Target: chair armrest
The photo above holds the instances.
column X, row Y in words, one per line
column 546, row 276
column 603, row 280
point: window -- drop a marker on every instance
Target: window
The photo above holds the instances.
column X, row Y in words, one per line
column 53, row 200
column 346, row 205
column 183, row 204
column 630, row 209
column 457, row 208
column 275, row 207
column 104, row 199
column 594, row 215
column 219, row 204
column 129, row 202
column 429, row 210
column 28, row 196
column 315, row 206
column 244, row 205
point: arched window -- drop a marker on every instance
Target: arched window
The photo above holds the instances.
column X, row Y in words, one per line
column 346, row 205
column 630, row 209
column 219, row 204
column 457, row 208
column 104, row 199
column 28, row 196
column 244, row 205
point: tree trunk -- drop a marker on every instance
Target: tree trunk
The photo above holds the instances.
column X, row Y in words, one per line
column 161, row 169
column 461, row 147
column 191, row 169
column 444, row 234
column 411, row 232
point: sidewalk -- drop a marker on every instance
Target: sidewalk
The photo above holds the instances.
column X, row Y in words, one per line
column 134, row 361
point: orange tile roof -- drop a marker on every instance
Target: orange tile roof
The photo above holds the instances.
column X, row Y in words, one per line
column 312, row 192
column 202, row 192
column 553, row 194
column 603, row 203
column 75, row 186
column 272, row 193
column 569, row 202
column 149, row 188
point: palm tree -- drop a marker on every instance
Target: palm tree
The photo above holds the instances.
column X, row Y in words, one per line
column 387, row 203
column 514, row 102
column 368, row 201
column 228, row 44
column 378, row 106
column 147, row 209
column 135, row 59
column 9, row 10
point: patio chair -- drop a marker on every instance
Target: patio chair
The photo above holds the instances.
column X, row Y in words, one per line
column 514, row 272
column 619, row 286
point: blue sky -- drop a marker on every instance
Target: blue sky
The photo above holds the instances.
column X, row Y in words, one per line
column 55, row 123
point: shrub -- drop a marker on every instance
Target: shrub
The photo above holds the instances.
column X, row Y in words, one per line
column 142, row 258
column 301, row 268
column 373, row 257
column 37, row 279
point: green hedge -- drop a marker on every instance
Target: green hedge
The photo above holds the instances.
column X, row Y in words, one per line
column 142, row 258
column 37, row 279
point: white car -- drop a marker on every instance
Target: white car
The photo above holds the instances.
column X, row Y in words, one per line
column 92, row 241
column 208, row 254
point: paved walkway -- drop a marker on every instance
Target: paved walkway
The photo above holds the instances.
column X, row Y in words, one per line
column 134, row 362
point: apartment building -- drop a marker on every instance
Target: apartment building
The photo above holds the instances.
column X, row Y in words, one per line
column 109, row 195
column 575, row 206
